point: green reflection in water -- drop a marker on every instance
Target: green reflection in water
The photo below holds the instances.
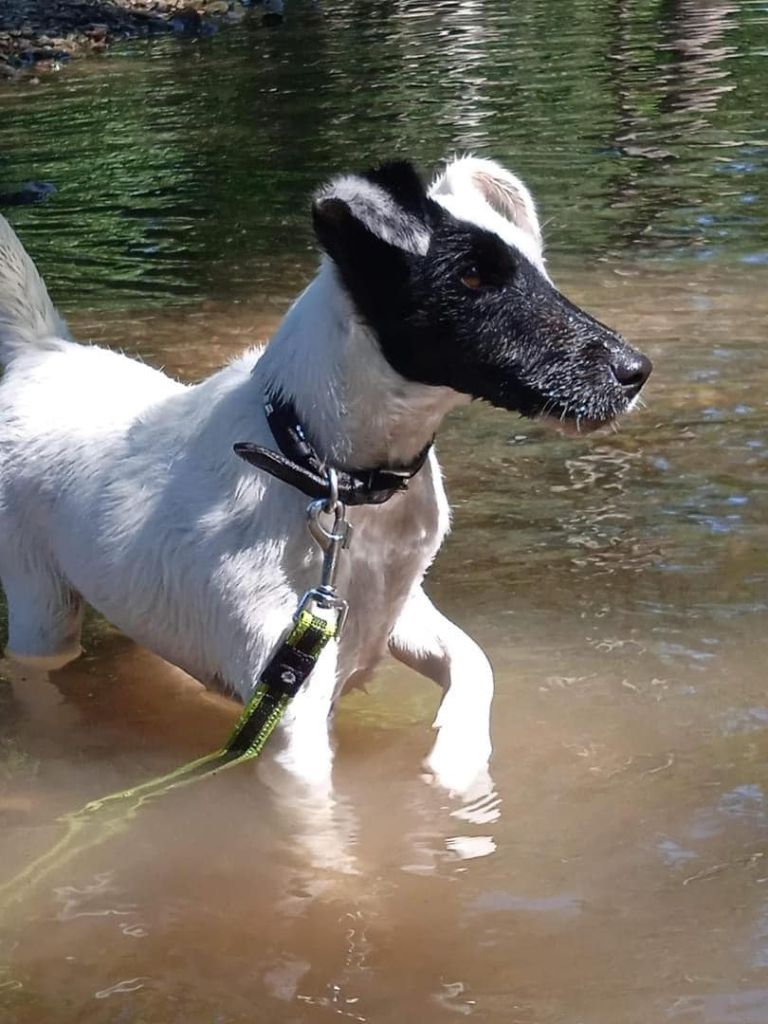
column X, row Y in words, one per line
column 184, row 167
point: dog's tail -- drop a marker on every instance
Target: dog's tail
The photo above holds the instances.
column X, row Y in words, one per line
column 28, row 318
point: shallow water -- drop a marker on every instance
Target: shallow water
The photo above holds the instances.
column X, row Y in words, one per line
column 618, row 873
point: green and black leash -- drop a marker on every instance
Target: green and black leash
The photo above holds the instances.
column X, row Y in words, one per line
column 318, row 620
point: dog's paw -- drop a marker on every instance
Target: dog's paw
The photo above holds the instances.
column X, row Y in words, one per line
column 45, row 662
column 461, row 771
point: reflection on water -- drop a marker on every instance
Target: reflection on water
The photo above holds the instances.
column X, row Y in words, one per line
column 617, row 874
column 184, row 167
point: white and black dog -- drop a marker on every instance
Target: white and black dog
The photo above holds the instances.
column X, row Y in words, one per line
column 119, row 486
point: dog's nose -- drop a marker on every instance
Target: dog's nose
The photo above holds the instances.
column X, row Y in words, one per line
column 631, row 369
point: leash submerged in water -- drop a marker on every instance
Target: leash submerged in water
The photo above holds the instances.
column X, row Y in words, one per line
column 319, row 619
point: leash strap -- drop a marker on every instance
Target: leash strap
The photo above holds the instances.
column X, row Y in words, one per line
column 298, row 463
column 281, row 680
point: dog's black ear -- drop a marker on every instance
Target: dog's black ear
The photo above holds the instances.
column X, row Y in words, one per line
column 382, row 209
column 401, row 179
column 373, row 228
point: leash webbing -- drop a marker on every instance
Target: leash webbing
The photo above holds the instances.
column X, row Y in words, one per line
column 280, row 680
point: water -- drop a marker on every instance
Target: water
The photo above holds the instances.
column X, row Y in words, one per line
column 618, row 583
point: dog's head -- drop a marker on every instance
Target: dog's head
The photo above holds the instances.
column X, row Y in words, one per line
column 453, row 284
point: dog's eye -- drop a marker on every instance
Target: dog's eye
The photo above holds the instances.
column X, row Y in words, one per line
column 471, row 278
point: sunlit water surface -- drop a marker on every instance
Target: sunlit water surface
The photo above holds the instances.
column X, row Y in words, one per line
column 618, row 874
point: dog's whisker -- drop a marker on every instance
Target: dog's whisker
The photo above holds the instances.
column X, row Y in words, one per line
column 548, row 406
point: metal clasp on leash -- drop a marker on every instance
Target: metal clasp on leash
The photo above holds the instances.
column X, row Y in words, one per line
column 333, row 540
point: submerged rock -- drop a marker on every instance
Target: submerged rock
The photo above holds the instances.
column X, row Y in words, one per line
column 28, row 193
column 274, row 12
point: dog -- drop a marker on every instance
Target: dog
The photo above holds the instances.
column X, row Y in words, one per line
column 119, row 486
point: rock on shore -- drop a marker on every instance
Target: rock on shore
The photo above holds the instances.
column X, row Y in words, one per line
column 45, row 33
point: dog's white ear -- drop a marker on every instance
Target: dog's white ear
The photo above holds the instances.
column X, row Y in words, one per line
column 503, row 191
column 388, row 204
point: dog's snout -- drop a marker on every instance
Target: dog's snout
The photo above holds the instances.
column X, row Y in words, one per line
column 631, row 369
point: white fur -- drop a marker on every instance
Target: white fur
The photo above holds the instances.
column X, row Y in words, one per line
column 118, row 486
column 376, row 208
column 491, row 196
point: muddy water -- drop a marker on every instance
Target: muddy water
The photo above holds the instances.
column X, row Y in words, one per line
column 618, row 874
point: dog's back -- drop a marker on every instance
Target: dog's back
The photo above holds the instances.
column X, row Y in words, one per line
column 65, row 412
column 94, row 506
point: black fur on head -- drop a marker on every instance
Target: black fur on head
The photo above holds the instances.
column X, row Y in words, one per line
column 452, row 304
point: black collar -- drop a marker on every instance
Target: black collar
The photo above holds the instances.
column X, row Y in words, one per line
column 299, row 465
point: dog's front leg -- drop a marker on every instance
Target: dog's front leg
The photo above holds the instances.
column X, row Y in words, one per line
column 301, row 745
column 428, row 642
column 297, row 766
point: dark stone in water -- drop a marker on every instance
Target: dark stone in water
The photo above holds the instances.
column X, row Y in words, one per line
column 186, row 23
column 28, row 193
column 34, row 55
